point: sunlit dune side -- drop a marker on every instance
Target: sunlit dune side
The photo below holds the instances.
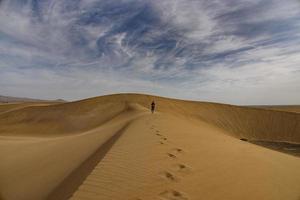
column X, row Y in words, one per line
column 112, row 147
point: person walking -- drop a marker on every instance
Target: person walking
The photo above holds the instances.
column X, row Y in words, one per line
column 152, row 107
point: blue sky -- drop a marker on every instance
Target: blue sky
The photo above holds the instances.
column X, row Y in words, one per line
column 238, row 52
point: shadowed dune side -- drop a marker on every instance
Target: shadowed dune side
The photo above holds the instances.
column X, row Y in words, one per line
column 252, row 124
column 287, row 108
column 71, row 183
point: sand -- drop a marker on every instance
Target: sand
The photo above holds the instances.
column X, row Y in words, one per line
column 289, row 108
column 113, row 148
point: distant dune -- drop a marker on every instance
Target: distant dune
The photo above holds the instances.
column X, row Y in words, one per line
column 8, row 99
column 113, row 148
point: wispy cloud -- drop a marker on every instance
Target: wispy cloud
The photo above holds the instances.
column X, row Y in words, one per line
column 227, row 51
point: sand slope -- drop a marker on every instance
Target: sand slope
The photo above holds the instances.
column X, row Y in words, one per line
column 290, row 108
column 111, row 147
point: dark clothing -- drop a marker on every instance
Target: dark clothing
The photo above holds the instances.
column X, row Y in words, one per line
column 152, row 107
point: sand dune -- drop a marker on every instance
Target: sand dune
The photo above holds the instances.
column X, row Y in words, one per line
column 290, row 108
column 112, row 147
column 9, row 99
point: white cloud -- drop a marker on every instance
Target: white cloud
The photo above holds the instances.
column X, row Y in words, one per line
column 196, row 49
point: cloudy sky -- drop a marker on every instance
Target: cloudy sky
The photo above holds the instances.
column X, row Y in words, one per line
column 231, row 51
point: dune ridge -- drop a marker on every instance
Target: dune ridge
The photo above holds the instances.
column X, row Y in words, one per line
column 242, row 122
column 111, row 147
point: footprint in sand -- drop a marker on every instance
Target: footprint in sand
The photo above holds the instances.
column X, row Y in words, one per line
column 177, row 150
column 174, row 152
column 181, row 168
column 158, row 134
column 171, row 155
column 173, row 195
column 161, row 143
column 169, row 176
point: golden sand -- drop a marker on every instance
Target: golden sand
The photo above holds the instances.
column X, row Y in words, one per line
column 113, row 148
